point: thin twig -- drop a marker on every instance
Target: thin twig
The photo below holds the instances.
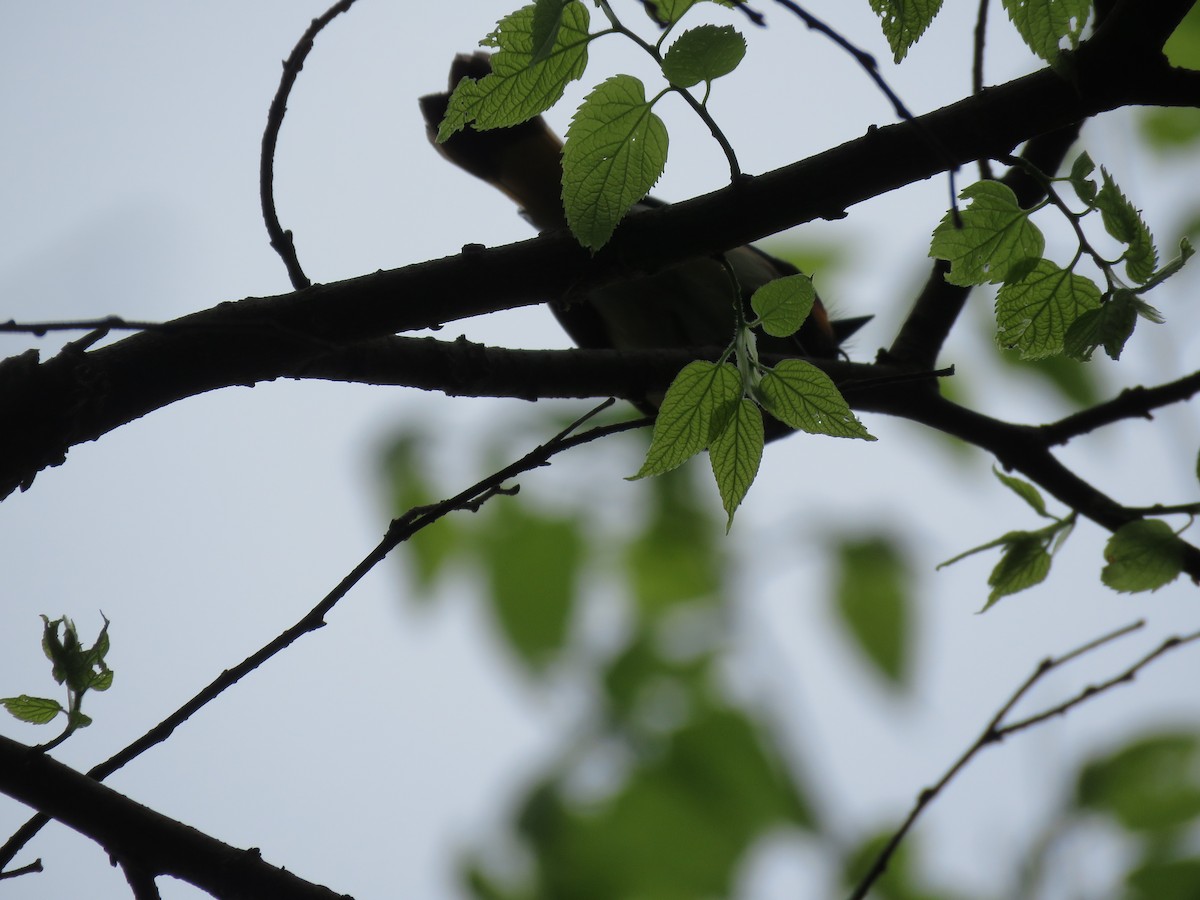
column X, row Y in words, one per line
column 399, row 531
column 1131, row 403
column 996, row 731
column 281, row 239
column 865, row 60
column 985, row 165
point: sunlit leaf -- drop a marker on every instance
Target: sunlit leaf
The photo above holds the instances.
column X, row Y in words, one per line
column 1142, row 555
column 704, row 53
column 615, row 151
column 1033, row 314
column 991, row 241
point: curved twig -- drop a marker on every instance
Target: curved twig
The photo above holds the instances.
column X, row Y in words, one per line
column 996, row 731
column 399, row 531
column 281, row 239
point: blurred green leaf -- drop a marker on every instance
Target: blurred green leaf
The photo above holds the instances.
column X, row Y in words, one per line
column 1024, row 563
column 1175, row 128
column 1148, row 785
column 675, row 559
column 532, row 564
column 678, row 827
column 1024, row 490
column 1176, row 879
column 899, row 882
column 873, row 597
column 429, row 549
column 1072, row 379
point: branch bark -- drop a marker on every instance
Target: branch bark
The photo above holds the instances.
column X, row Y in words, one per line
column 48, row 407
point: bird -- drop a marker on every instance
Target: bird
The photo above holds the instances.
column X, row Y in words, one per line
column 685, row 305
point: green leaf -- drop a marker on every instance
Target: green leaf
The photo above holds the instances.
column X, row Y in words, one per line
column 735, row 454
column 1033, row 314
column 532, row 563
column 1024, row 563
column 1186, row 251
column 35, row 710
column 782, row 305
column 996, row 241
column 547, row 21
column 1025, row 491
column 101, row 681
column 1044, row 24
column 1175, row 129
column 1124, row 222
column 1142, row 555
column 430, row 549
column 674, row 559
column 519, row 87
column 904, row 21
column 615, row 151
column 1164, row 879
column 874, row 600
column 694, row 411
column 800, row 395
column 704, row 53
column 1085, row 187
column 1109, row 326
column 670, row 11
column 1183, row 47
column 1150, row 784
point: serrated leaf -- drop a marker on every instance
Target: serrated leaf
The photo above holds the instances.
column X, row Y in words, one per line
column 904, row 21
column 1186, row 251
column 532, row 564
column 1142, row 555
column 1124, row 222
column 704, row 53
column 874, row 600
column 1033, row 314
column 1085, row 187
column 547, row 21
column 615, row 151
column 1024, row 563
column 35, row 710
column 784, row 304
column 1044, row 24
column 520, row 87
column 1109, row 326
column 694, row 411
column 800, row 395
column 1024, row 490
column 996, row 240
column 669, row 11
column 735, row 454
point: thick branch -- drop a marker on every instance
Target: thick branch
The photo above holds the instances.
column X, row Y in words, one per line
column 149, row 840
column 79, row 396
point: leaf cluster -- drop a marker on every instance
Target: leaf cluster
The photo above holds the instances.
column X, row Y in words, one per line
column 78, row 668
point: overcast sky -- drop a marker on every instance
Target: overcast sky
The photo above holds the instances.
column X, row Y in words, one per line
column 372, row 752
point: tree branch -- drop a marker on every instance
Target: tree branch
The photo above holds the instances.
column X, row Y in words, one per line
column 399, row 531
column 996, row 731
column 78, row 396
column 149, row 841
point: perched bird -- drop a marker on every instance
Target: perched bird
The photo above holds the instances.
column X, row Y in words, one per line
column 686, row 305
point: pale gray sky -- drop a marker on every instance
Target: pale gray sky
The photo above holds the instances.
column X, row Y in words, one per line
column 370, row 753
